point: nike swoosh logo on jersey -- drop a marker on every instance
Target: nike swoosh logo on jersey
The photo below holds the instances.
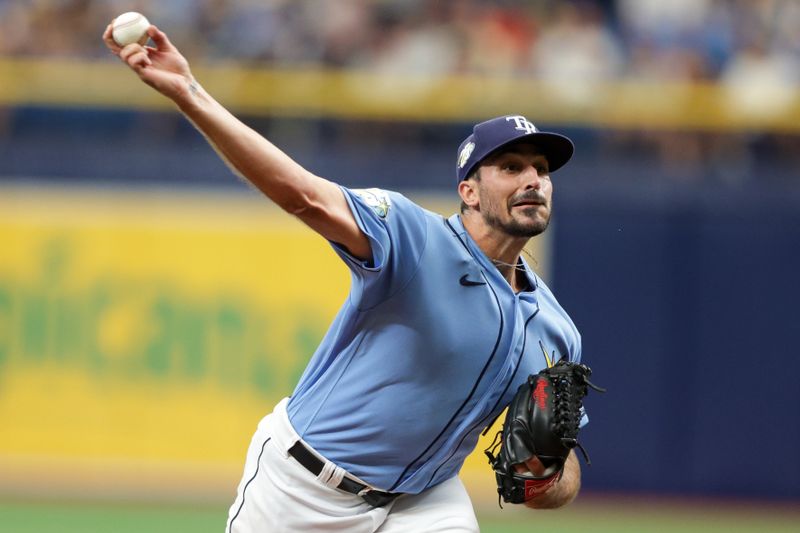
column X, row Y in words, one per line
column 468, row 282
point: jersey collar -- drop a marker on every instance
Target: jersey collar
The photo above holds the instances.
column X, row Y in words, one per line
column 485, row 263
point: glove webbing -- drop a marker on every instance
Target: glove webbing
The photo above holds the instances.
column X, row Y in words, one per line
column 570, row 386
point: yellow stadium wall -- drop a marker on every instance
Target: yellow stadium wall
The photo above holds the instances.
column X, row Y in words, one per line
column 315, row 92
column 143, row 335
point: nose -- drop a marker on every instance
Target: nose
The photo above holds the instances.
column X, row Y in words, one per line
column 532, row 178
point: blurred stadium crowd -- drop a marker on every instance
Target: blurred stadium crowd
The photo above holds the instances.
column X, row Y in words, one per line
column 749, row 48
column 581, row 39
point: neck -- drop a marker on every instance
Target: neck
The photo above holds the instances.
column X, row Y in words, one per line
column 503, row 250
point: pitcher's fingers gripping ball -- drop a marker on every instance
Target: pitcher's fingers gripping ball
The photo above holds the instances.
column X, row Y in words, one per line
column 542, row 422
column 136, row 56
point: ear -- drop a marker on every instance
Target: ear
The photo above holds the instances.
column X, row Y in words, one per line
column 468, row 191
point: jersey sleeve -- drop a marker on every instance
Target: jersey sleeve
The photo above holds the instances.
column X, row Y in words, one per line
column 397, row 231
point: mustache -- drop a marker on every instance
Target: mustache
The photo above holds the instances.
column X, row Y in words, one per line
column 530, row 196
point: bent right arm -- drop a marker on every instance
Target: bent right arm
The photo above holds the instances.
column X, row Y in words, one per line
column 316, row 201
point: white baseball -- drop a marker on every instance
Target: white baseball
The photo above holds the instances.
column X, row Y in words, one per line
column 130, row 27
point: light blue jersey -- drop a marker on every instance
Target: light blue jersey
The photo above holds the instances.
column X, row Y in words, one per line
column 431, row 344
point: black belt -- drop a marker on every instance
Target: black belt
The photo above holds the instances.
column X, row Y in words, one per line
column 314, row 465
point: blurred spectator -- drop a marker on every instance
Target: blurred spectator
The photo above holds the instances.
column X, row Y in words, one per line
column 761, row 83
column 414, row 41
column 496, row 39
column 15, row 27
column 575, row 51
column 667, row 23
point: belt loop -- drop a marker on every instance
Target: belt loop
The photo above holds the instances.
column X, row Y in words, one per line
column 331, row 475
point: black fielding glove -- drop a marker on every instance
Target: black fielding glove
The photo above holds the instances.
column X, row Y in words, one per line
column 542, row 421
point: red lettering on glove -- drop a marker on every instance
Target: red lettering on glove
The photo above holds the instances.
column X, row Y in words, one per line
column 540, row 394
column 535, row 487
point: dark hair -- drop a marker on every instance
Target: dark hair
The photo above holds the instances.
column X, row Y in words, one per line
column 476, row 175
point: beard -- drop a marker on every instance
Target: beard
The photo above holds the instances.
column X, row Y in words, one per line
column 530, row 226
column 517, row 228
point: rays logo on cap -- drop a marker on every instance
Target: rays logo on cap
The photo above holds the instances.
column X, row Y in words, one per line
column 463, row 157
column 522, row 124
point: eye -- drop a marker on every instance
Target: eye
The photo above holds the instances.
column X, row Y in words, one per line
column 511, row 166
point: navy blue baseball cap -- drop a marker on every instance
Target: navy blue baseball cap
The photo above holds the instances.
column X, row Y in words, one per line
column 492, row 135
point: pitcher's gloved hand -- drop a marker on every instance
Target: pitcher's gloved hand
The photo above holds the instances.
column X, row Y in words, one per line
column 542, row 421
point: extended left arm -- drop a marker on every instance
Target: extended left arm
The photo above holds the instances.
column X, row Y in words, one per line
column 562, row 492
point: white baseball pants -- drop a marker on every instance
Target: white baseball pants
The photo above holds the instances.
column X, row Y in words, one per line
column 278, row 494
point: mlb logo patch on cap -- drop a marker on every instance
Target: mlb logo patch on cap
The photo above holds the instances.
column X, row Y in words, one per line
column 492, row 135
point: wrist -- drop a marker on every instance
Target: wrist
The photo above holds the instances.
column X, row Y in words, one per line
column 537, row 487
column 192, row 97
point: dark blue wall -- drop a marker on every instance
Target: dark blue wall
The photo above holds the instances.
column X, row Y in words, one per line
column 162, row 148
column 687, row 301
